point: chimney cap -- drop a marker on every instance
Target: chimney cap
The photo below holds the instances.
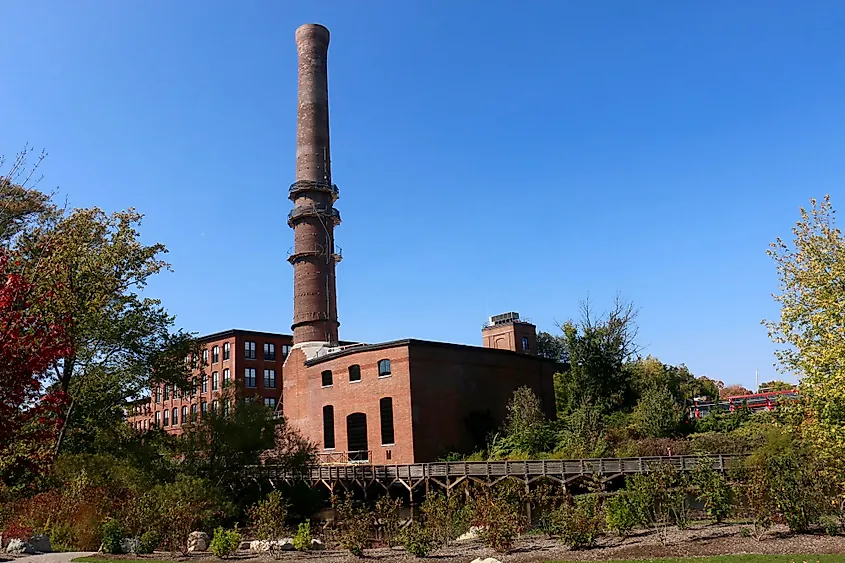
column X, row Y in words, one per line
column 311, row 33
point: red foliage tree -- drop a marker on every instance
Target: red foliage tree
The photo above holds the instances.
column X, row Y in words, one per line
column 30, row 343
column 733, row 391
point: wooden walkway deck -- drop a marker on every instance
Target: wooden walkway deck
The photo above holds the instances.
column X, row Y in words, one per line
column 449, row 474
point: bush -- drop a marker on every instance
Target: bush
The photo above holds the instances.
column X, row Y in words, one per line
column 417, row 540
column 355, row 526
column 830, row 525
column 225, row 542
column 445, row 518
column 621, row 514
column 579, row 524
column 268, row 516
column 713, row 491
column 302, row 539
column 112, row 536
column 503, row 523
column 149, row 542
column 386, row 515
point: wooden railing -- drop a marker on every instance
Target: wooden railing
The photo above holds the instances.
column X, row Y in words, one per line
column 491, row 470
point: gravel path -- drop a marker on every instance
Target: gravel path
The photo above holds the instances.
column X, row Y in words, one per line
column 64, row 557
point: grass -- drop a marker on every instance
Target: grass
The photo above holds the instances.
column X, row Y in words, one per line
column 748, row 559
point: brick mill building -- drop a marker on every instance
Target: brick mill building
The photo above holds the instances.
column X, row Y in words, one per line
column 403, row 401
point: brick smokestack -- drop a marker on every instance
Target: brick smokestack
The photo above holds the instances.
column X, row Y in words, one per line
column 313, row 217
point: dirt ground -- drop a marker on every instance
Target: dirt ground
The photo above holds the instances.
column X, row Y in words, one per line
column 698, row 540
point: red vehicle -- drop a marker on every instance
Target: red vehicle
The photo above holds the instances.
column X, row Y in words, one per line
column 766, row 400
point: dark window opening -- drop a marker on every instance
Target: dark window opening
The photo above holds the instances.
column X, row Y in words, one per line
column 249, row 350
column 327, row 378
column 225, row 350
column 328, row 427
column 525, row 344
column 356, row 437
column 386, row 408
column 355, row 373
column 269, row 351
column 383, row 368
column 215, row 354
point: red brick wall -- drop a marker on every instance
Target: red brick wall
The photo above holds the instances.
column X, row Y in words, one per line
column 236, row 364
column 449, row 383
column 305, row 398
column 509, row 337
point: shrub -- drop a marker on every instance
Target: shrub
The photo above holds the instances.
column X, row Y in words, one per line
column 744, row 532
column 445, row 518
column 355, row 526
column 579, row 525
column 225, row 542
column 149, row 542
column 417, row 540
column 503, row 523
column 713, row 491
column 621, row 514
column 112, row 536
column 830, row 525
column 268, row 516
column 302, row 539
column 386, row 515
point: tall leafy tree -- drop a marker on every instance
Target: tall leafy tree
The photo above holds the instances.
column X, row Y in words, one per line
column 811, row 327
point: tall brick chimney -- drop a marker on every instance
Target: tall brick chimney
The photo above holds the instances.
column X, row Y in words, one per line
column 313, row 217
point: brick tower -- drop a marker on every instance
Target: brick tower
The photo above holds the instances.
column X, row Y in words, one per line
column 313, row 217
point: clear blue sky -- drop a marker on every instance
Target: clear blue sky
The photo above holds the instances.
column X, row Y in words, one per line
column 491, row 156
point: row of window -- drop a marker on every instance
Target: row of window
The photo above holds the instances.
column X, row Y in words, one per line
column 360, row 419
column 249, row 352
column 355, row 373
column 249, row 381
column 162, row 418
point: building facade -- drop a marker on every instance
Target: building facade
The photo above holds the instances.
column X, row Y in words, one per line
column 252, row 358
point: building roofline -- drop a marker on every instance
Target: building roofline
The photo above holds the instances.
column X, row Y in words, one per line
column 416, row 342
column 237, row 331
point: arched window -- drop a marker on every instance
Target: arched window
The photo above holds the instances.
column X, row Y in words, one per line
column 328, row 427
column 354, row 373
column 386, row 408
column 327, row 378
column 175, row 416
column 184, row 415
column 383, row 368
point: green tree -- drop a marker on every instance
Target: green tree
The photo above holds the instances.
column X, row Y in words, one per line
column 551, row 347
column 598, row 348
column 122, row 343
column 777, row 385
column 658, row 414
column 811, row 274
column 526, row 431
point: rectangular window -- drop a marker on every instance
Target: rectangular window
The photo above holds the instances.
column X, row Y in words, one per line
column 354, row 373
column 158, row 395
column 249, row 377
column 193, row 412
column 226, row 377
column 525, row 344
column 269, row 379
column 327, row 378
column 214, row 406
column 269, row 351
column 383, row 368
column 285, row 350
column 166, row 417
column 226, row 406
column 386, row 408
column 194, row 385
column 158, row 418
column 249, row 350
column 184, row 415
column 328, row 427
column 225, row 350
column 205, row 356
column 215, row 354
column 166, row 392
column 175, row 416
column 205, row 383
column 215, row 381
column 204, row 407
column 270, row 402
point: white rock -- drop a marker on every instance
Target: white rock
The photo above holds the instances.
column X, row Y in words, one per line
column 197, row 541
column 259, row 546
column 19, row 547
column 473, row 533
column 488, row 560
column 317, row 545
column 41, row 543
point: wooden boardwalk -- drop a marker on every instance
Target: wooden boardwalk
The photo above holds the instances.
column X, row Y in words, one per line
column 447, row 475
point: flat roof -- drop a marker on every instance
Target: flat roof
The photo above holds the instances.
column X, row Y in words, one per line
column 416, row 342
